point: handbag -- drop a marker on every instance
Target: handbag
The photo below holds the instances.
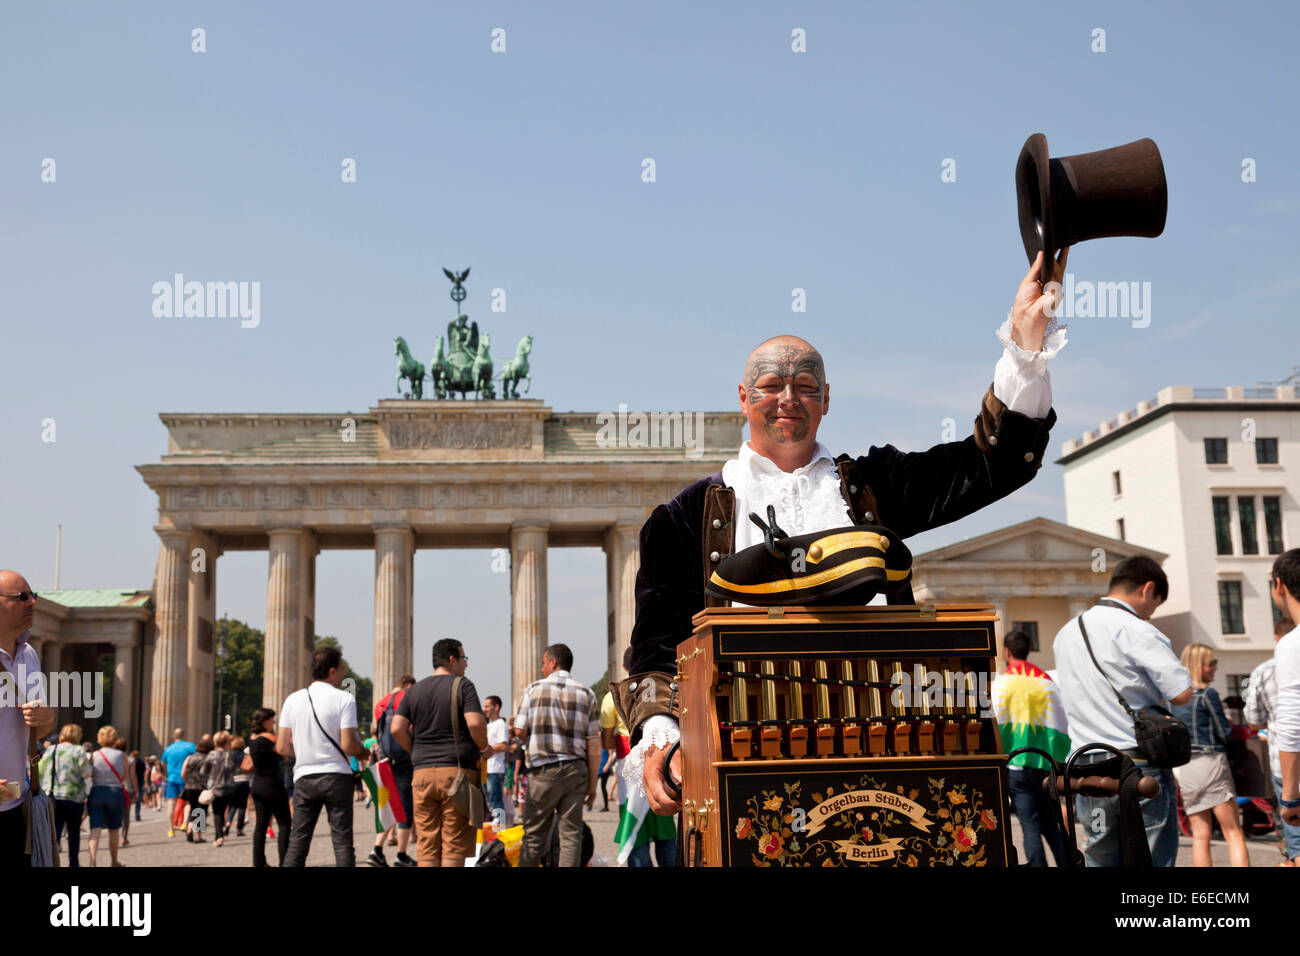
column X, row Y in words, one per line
column 465, row 794
column 1162, row 739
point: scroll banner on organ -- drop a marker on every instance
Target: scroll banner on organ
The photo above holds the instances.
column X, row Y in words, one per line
column 821, row 814
column 868, row 852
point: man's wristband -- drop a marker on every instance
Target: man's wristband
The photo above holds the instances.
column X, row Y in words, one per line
column 1290, row 804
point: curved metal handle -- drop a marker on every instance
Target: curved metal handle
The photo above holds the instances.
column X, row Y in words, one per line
column 672, row 789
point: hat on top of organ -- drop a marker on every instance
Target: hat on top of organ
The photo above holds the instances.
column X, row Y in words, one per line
column 845, row 566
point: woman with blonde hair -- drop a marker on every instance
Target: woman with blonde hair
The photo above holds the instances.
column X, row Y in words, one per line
column 107, row 802
column 66, row 776
column 1205, row 782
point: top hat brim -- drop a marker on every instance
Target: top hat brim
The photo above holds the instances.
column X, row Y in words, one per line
column 1034, row 201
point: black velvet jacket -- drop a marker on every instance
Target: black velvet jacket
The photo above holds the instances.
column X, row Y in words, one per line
column 907, row 492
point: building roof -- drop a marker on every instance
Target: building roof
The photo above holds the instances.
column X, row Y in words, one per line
column 1180, row 398
column 100, row 597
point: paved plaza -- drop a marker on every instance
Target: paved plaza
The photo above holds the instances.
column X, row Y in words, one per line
column 150, row 845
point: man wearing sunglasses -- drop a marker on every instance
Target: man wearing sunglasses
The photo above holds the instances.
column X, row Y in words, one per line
column 18, row 714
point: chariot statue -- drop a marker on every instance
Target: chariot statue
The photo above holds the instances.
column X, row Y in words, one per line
column 462, row 361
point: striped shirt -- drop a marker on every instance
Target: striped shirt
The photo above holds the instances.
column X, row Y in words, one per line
column 1261, row 707
column 560, row 715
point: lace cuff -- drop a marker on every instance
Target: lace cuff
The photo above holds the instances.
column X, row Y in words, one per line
column 659, row 731
column 1053, row 341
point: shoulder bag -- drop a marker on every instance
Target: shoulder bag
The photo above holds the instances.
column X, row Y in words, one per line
column 1162, row 739
column 464, row 793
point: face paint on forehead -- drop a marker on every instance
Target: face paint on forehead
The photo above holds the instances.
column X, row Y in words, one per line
column 786, row 362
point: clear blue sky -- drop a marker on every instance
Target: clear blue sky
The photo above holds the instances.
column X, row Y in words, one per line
column 775, row 170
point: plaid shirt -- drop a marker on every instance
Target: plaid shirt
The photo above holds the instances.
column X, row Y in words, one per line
column 559, row 715
column 1261, row 706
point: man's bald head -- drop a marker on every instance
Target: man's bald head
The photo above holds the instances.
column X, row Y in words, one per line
column 786, row 356
column 784, row 395
column 15, row 615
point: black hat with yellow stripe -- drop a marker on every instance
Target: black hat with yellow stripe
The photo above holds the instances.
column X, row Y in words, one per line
column 845, row 566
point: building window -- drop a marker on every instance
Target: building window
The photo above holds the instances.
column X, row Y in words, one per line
column 1230, row 607
column 1216, row 451
column 1119, row 529
column 1266, row 451
column 1031, row 630
column 1246, row 515
column 1273, row 524
column 1222, row 530
column 1114, row 477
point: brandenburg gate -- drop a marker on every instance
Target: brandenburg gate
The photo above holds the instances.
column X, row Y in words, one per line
column 407, row 474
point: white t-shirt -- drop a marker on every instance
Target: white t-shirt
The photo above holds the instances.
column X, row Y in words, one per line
column 1284, row 730
column 337, row 710
column 498, row 733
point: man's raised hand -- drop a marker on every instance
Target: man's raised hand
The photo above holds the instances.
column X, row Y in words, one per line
column 1035, row 305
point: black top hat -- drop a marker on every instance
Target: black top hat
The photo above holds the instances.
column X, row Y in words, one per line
column 841, row 566
column 1113, row 192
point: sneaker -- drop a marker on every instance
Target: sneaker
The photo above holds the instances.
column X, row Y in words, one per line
column 376, row 858
column 404, row 860
column 171, row 833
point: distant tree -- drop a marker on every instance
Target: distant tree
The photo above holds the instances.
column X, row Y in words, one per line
column 240, row 676
column 600, row 687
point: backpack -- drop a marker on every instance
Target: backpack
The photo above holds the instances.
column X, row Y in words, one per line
column 387, row 742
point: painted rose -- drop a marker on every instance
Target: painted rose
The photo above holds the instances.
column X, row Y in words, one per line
column 989, row 819
column 769, row 844
column 772, row 804
column 964, row 837
column 866, row 834
column 743, row 826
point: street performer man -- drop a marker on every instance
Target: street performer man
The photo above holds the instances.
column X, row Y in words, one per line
column 784, row 394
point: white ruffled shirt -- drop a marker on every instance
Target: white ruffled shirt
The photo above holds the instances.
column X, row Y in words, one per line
column 808, row 499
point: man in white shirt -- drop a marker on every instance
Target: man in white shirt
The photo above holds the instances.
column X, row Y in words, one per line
column 318, row 728
column 1285, row 590
column 784, row 394
column 1138, row 662
column 26, row 710
column 498, row 734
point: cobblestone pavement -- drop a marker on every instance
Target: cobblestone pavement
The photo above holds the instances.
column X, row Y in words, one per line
column 150, row 845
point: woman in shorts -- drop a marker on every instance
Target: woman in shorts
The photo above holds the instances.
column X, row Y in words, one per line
column 1205, row 782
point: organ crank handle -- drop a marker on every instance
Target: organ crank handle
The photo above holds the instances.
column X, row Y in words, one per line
column 1147, row 787
column 670, row 787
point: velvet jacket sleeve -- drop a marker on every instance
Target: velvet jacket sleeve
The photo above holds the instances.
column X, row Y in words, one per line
column 669, row 583
column 917, row 491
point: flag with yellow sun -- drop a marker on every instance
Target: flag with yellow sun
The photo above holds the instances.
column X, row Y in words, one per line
column 1028, row 708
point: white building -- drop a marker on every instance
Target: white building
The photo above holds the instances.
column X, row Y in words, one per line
column 1211, row 477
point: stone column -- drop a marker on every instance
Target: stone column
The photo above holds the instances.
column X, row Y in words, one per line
column 622, row 561
column 528, row 613
column 51, row 656
column 170, row 674
column 308, row 548
column 280, row 669
column 200, row 643
column 124, row 688
column 394, row 573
